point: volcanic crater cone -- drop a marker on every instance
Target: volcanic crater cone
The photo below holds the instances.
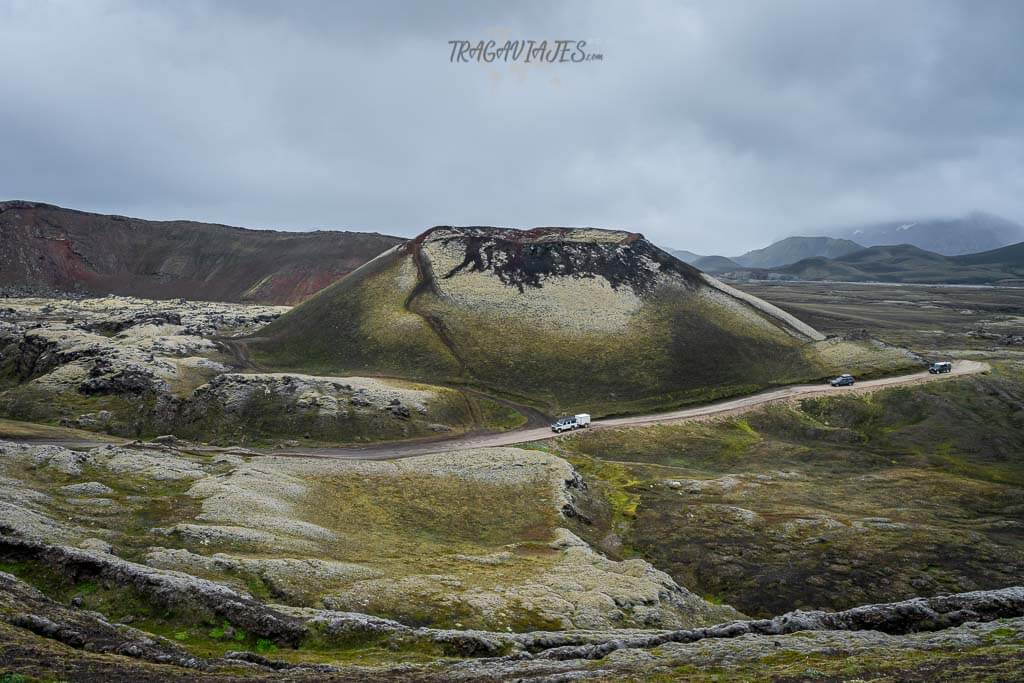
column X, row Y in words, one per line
column 563, row 318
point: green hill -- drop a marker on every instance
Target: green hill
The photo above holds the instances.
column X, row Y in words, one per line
column 715, row 264
column 1009, row 259
column 566, row 319
column 793, row 249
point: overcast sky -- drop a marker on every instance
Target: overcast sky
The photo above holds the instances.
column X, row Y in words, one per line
column 713, row 126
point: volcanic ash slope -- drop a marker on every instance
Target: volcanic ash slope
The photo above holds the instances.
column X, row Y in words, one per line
column 565, row 318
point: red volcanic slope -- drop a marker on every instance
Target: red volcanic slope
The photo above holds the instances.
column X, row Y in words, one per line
column 49, row 248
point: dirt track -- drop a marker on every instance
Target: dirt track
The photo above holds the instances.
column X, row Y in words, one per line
column 717, row 409
column 734, row 406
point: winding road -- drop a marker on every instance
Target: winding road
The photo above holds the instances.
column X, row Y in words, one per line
column 408, row 449
column 733, row 406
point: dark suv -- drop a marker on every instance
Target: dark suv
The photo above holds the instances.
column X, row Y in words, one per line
column 939, row 368
column 842, row 381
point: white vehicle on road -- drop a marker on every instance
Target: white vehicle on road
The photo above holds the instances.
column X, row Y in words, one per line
column 564, row 424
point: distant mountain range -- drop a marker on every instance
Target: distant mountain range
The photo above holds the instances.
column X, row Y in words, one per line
column 49, row 248
column 977, row 248
column 783, row 252
column 975, row 232
column 907, row 263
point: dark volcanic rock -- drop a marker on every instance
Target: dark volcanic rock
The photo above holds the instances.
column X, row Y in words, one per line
column 169, row 589
column 523, row 258
column 145, row 318
column 31, row 610
column 105, row 378
column 895, row 618
column 489, row 653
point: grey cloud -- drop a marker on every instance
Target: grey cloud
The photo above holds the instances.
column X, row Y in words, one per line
column 711, row 126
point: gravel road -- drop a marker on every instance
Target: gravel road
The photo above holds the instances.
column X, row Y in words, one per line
column 711, row 410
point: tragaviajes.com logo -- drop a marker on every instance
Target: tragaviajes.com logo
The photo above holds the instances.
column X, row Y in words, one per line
column 522, row 52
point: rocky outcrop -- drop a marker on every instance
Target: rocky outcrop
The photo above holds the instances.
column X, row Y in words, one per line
column 897, row 618
column 121, row 323
column 134, row 360
column 958, row 621
column 288, row 579
column 24, row 607
column 338, row 409
column 88, row 488
column 171, row 590
column 328, row 397
column 150, row 367
column 106, row 378
column 116, row 347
